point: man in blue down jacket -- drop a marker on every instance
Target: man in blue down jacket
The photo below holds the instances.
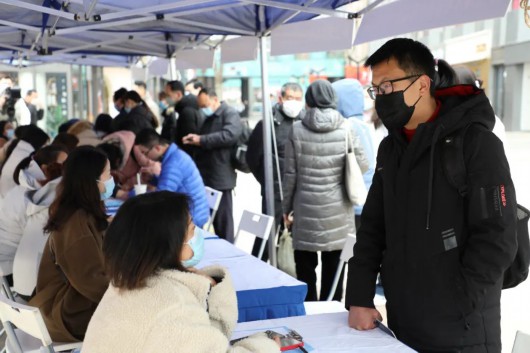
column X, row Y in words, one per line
column 441, row 256
column 178, row 174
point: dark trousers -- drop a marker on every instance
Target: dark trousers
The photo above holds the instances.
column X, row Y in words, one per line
column 223, row 223
column 306, row 263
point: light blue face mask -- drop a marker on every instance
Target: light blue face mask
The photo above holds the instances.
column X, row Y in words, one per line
column 207, row 111
column 127, row 109
column 10, row 133
column 197, row 245
column 109, row 188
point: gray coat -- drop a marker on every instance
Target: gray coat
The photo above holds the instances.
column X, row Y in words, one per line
column 313, row 182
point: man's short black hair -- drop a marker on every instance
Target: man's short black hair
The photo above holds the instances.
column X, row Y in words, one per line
column 140, row 84
column 196, row 83
column 120, row 94
column 175, row 86
column 293, row 86
column 30, row 92
column 149, row 138
column 412, row 57
column 210, row 92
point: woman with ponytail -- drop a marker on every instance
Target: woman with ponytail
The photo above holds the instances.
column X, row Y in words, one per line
column 32, row 173
column 138, row 117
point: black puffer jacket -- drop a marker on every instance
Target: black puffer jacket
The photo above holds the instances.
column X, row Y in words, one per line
column 219, row 133
column 189, row 121
column 139, row 118
column 442, row 256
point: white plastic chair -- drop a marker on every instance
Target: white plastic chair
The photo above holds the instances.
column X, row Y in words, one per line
column 521, row 343
column 257, row 224
column 214, row 199
column 345, row 256
column 31, row 334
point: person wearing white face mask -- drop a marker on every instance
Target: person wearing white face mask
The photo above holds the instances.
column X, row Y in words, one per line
column 157, row 301
column 288, row 110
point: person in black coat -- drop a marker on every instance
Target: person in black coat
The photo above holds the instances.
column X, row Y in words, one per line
column 185, row 115
column 289, row 109
column 218, row 136
column 441, row 255
column 138, row 117
column 119, row 98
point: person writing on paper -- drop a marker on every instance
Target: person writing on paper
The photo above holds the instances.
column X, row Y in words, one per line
column 441, row 255
column 72, row 279
column 314, row 188
column 157, row 301
column 178, row 172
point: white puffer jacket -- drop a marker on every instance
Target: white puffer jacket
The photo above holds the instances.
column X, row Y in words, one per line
column 175, row 312
column 21, row 151
column 13, row 214
column 31, row 246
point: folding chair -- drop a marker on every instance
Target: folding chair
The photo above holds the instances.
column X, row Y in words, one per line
column 257, row 224
column 345, row 256
column 6, row 288
column 214, row 199
column 31, row 334
column 521, row 343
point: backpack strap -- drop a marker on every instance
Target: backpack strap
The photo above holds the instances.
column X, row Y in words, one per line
column 453, row 161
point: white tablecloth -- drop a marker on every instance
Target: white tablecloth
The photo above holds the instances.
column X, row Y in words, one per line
column 328, row 333
column 263, row 291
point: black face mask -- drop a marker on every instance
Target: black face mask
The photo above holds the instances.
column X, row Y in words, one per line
column 393, row 111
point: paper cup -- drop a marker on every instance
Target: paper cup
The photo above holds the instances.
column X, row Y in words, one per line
column 140, row 189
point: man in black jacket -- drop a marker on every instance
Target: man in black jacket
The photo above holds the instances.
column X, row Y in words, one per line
column 218, row 135
column 188, row 117
column 289, row 110
column 441, row 255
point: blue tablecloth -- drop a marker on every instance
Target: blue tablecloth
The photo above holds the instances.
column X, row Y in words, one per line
column 263, row 292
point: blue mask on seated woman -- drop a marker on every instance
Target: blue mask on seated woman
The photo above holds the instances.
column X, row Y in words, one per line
column 109, row 188
column 197, row 245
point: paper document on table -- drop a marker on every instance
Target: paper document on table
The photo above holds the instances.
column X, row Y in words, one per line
column 282, row 330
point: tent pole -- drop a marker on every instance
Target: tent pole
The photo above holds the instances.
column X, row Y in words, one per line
column 267, row 145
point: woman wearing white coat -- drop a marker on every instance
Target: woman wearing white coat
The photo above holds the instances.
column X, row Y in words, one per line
column 31, row 174
column 31, row 246
column 31, row 139
column 157, row 301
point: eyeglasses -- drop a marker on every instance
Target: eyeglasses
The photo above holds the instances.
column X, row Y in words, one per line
column 146, row 152
column 387, row 87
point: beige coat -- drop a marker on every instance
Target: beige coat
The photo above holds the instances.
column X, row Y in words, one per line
column 175, row 312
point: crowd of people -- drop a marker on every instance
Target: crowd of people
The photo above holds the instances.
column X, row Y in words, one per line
column 129, row 283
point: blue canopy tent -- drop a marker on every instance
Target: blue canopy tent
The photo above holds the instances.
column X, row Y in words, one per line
column 112, row 31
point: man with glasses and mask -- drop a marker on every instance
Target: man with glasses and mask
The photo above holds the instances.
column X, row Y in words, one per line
column 178, row 172
column 218, row 135
column 441, row 253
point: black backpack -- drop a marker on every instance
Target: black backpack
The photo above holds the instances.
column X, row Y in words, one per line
column 239, row 151
column 455, row 171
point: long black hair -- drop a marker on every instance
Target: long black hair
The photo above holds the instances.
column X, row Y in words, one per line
column 146, row 235
column 31, row 134
column 78, row 189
